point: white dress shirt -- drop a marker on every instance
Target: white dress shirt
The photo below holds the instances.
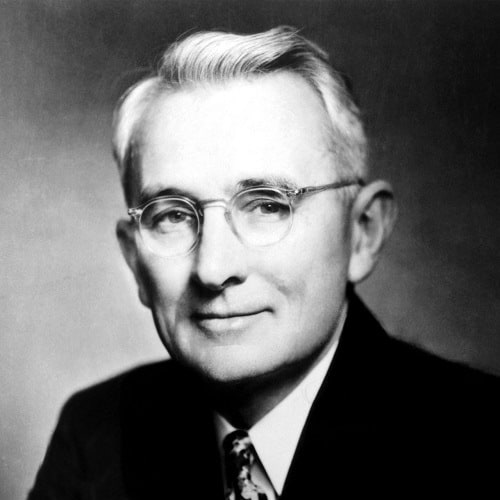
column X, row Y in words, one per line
column 276, row 435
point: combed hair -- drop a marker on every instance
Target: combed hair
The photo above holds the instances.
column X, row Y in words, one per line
column 218, row 57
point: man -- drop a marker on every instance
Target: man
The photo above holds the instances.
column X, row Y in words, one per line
column 243, row 162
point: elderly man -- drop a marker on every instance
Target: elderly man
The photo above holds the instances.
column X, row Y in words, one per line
column 243, row 162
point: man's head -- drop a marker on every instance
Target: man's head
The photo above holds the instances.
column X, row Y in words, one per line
column 247, row 300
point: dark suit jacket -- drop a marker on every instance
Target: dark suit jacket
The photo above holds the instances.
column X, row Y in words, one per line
column 389, row 420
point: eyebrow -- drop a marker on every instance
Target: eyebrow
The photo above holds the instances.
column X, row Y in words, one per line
column 149, row 193
column 270, row 181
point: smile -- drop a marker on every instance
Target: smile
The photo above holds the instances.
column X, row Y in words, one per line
column 226, row 323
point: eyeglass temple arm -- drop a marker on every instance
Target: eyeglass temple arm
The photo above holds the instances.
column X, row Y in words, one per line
column 317, row 189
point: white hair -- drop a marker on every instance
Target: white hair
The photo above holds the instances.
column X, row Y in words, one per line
column 215, row 57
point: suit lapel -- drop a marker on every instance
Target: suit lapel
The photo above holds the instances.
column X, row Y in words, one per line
column 338, row 438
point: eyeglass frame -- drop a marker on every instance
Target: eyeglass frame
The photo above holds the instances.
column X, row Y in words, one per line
column 198, row 206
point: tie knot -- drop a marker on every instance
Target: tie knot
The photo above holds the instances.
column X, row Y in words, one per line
column 238, row 449
column 240, row 455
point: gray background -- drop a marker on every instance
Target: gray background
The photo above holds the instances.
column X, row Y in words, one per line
column 425, row 74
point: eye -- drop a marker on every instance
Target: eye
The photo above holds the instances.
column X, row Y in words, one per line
column 167, row 219
column 265, row 209
column 175, row 216
column 172, row 217
column 268, row 207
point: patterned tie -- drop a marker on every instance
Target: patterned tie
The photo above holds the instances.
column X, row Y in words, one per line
column 240, row 455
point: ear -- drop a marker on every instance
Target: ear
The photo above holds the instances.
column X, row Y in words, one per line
column 373, row 216
column 126, row 233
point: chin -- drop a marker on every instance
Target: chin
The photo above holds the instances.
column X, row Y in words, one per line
column 232, row 364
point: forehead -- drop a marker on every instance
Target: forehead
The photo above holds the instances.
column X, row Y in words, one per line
column 209, row 138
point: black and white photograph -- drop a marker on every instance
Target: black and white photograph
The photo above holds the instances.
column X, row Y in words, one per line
column 249, row 249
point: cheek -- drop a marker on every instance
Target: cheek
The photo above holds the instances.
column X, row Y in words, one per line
column 310, row 272
column 315, row 252
column 165, row 281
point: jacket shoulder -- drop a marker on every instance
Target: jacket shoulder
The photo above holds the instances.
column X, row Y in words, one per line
column 101, row 401
column 84, row 454
column 405, row 376
column 428, row 367
column 406, row 356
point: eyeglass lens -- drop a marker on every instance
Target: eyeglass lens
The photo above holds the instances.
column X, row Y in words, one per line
column 171, row 226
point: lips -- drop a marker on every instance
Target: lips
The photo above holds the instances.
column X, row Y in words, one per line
column 224, row 315
column 226, row 322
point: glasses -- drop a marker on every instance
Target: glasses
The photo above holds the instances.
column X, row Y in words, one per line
column 172, row 225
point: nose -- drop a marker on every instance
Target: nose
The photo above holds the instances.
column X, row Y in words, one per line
column 220, row 259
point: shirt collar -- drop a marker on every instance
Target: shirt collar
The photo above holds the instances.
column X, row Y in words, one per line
column 276, row 435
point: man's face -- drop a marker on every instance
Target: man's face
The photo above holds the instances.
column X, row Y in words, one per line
column 230, row 311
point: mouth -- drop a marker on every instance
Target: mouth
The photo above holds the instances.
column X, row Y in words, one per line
column 224, row 315
column 226, row 322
